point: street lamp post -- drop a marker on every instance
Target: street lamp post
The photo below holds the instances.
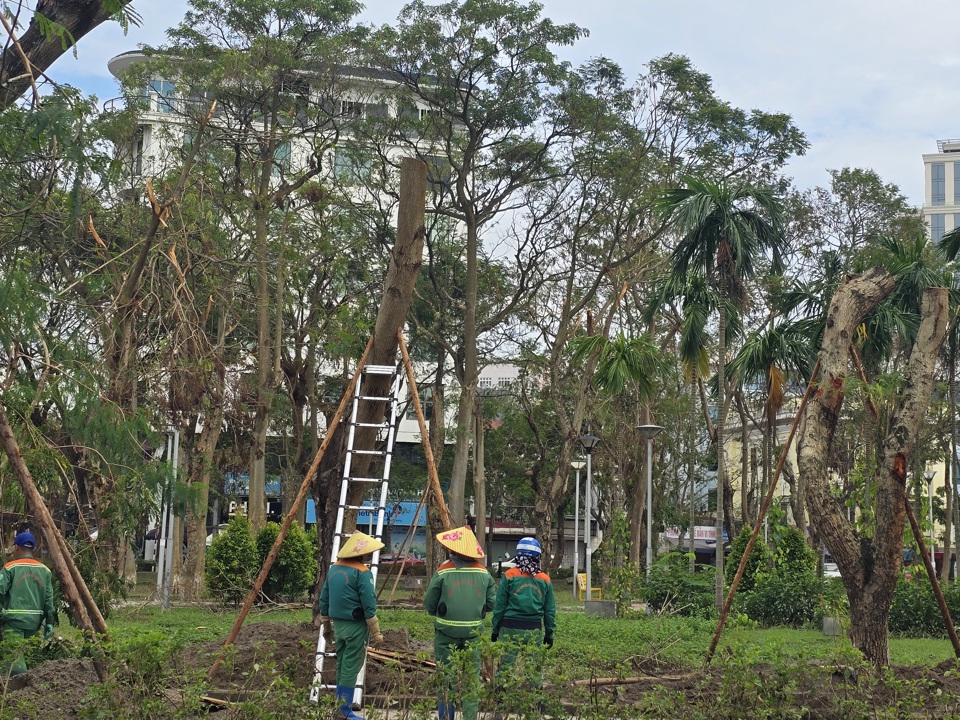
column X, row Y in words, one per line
column 929, row 475
column 578, row 465
column 588, row 442
column 649, row 432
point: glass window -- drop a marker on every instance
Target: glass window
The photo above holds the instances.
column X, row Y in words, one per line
column 164, row 91
column 352, row 164
column 956, row 183
column 281, row 157
column 937, row 226
column 938, row 191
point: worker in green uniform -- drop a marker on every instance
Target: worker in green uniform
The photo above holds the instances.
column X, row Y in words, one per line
column 459, row 597
column 526, row 611
column 26, row 597
column 348, row 614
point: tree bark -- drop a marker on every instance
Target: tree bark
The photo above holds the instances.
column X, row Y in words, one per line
column 870, row 565
column 77, row 17
column 398, row 287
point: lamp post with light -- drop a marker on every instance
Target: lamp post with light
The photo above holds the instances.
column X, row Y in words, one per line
column 649, row 432
column 928, row 476
column 588, row 442
column 577, row 465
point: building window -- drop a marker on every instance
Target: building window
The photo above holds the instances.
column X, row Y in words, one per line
column 281, row 158
column 352, row 164
column 956, row 183
column 485, row 383
column 164, row 92
column 937, row 227
column 938, row 190
column 425, row 393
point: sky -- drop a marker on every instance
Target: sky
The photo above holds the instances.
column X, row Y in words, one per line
column 871, row 84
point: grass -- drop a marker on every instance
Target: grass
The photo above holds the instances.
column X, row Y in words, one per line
column 586, row 641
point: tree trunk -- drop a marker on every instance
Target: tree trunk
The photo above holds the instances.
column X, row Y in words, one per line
column 398, row 288
column 870, row 565
column 479, row 478
column 744, row 460
column 721, row 444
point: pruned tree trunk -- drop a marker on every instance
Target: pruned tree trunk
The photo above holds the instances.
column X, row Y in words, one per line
column 398, row 287
column 870, row 565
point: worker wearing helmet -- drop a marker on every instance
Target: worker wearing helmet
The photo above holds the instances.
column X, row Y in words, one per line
column 526, row 612
column 348, row 614
column 26, row 597
column 459, row 597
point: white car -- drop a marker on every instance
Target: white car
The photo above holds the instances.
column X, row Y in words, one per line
column 830, row 570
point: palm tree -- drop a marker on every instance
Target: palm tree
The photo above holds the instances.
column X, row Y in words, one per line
column 724, row 229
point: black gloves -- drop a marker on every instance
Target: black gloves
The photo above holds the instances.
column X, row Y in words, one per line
column 548, row 640
column 494, row 636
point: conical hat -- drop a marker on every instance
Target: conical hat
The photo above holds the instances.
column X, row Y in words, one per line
column 358, row 545
column 462, row 541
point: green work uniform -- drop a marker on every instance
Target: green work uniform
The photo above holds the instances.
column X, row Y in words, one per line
column 26, row 601
column 525, row 614
column 458, row 597
column 349, row 599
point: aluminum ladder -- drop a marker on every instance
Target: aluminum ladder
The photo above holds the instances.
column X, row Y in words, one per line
column 375, row 491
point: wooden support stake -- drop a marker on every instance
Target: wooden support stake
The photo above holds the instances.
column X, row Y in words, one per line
column 79, row 601
column 291, row 514
column 759, row 523
column 433, row 477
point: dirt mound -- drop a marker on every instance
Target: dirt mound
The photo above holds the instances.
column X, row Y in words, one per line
column 56, row 689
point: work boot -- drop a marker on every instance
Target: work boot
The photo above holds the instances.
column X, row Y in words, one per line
column 345, row 698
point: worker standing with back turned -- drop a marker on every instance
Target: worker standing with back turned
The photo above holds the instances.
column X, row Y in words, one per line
column 26, row 597
column 526, row 612
column 459, row 597
column 348, row 614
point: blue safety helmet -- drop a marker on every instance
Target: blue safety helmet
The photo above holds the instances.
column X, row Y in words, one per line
column 529, row 546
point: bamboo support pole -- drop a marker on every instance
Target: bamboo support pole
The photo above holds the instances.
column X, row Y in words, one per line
column 433, row 477
column 767, row 500
column 82, row 607
column 291, row 514
column 934, row 582
column 918, row 534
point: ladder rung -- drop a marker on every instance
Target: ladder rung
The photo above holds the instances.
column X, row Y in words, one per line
column 378, row 508
column 379, row 398
column 368, row 452
column 365, row 480
column 379, row 369
column 382, row 425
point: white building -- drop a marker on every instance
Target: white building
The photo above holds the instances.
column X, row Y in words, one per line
column 941, row 182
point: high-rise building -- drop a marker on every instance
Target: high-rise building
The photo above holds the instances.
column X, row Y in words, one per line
column 941, row 198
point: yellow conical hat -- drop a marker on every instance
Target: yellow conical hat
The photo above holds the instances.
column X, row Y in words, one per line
column 462, row 541
column 358, row 545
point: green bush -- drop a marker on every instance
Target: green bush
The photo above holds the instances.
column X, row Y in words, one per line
column 293, row 572
column 792, row 555
column 232, row 562
column 758, row 562
column 914, row 611
column 672, row 588
column 784, row 599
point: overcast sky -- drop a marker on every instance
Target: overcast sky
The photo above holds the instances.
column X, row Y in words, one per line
column 872, row 84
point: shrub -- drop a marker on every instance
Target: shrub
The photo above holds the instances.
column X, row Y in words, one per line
column 793, row 556
column 759, row 560
column 784, row 599
column 914, row 611
column 671, row 587
column 232, row 562
column 295, row 567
